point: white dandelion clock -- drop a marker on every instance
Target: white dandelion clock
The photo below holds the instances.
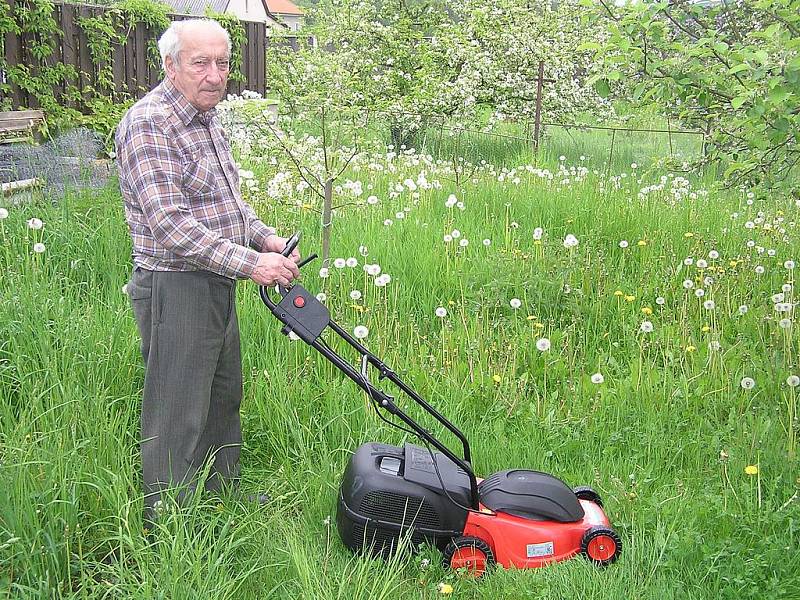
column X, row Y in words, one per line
column 688, row 284
column 699, row 292
column 793, row 381
column 743, row 309
column 538, row 233
column 623, row 244
column 661, row 301
column 515, row 303
column 487, row 242
column 360, row 332
column 713, row 255
column 324, row 273
column 463, row 242
column 570, row 241
column 789, row 264
column 455, row 234
column 701, row 264
column 3, row 213
column 709, row 305
column 39, row 248
column 322, row 297
column 351, row 262
column 441, row 312
column 35, row 223
column 355, row 295
column 339, row 263
column 785, row 323
column 543, row 344
column 597, row 378
column 646, row 327
column 748, row 383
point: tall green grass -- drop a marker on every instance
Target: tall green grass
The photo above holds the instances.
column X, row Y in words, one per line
column 665, row 439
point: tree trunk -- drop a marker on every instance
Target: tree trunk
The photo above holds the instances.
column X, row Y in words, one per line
column 326, row 221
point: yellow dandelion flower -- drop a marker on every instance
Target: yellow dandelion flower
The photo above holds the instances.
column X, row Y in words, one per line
column 539, row 325
column 445, row 588
column 688, row 234
column 537, row 242
column 690, row 348
column 647, row 310
column 733, row 263
column 619, row 293
column 530, row 317
column 641, row 243
column 705, row 329
column 451, row 303
column 496, row 378
column 630, row 298
column 751, row 470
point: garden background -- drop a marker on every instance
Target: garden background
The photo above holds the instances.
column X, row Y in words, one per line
column 616, row 308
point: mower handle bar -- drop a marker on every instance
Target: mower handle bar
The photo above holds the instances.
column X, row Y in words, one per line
column 381, row 399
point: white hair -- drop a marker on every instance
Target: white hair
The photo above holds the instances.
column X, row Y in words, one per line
column 170, row 42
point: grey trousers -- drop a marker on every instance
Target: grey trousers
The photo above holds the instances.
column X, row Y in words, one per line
column 193, row 378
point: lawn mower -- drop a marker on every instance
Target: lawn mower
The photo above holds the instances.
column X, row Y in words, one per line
column 518, row 518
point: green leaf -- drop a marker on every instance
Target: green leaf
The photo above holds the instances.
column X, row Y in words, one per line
column 589, row 46
column 602, row 88
column 738, row 101
column 738, row 68
column 778, row 94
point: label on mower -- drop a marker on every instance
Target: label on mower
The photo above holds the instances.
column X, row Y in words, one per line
column 537, row 550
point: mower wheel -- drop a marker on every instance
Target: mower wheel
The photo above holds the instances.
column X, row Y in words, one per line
column 470, row 553
column 601, row 545
column 584, row 492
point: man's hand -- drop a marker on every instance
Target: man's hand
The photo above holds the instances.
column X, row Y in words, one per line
column 273, row 268
column 276, row 243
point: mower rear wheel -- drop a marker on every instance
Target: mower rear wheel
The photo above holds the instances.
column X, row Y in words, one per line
column 601, row 545
column 584, row 492
column 469, row 553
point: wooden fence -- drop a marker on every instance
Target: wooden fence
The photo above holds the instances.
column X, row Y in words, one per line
column 133, row 73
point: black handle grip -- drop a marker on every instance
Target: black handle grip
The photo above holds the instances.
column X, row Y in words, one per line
column 291, row 244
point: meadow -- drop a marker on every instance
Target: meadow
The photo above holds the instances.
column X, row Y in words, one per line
column 669, row 381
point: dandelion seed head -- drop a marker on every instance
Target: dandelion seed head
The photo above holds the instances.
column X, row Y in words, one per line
column 441, row 312
column 597, row 378
column 543, row 344
column 360, row 332
column 748, row 383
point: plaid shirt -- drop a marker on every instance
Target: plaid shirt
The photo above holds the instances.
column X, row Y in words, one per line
column 181, row 190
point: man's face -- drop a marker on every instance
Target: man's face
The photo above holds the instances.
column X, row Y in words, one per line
column 201, row 73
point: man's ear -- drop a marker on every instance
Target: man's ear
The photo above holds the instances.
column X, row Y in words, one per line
column 169, row 67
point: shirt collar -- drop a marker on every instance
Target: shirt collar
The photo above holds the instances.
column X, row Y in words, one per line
column 182, row 107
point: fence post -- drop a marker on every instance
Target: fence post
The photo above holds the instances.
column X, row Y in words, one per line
column 537, row 123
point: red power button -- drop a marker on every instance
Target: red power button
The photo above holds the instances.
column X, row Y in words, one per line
column 299, row 302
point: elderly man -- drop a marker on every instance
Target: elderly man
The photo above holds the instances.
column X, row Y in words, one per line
column 193, row 237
